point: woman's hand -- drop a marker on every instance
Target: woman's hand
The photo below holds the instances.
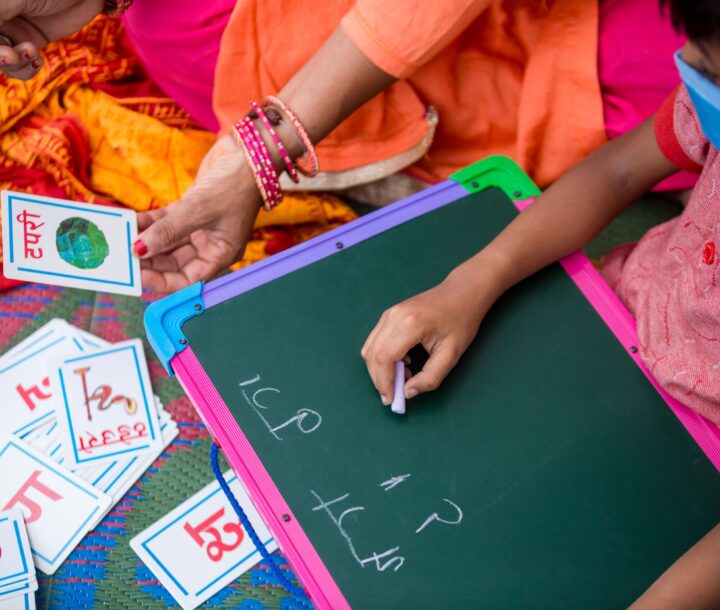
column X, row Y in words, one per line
column 26, row 26
column 444, row 319
column 206, row 231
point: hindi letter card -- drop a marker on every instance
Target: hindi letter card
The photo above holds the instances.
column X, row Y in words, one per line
column 27, row 398
column 17, row 570
column 66, row 243
column 107, row 408
column 59, row 508
column 200, row 547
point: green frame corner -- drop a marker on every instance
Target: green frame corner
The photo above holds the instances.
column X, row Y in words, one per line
column 497, row 171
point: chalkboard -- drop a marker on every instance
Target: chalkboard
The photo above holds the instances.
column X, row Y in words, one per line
column 546, row 472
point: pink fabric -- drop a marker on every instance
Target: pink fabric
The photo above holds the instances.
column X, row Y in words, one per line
column 636, row 68
column 178, row 42
column 670, row 281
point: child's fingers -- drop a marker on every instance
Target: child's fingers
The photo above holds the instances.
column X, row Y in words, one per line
column 373, row 333
column 440, row 363
column 391, row 343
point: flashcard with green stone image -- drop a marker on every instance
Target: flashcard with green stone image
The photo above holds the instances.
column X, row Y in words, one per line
column 66, row 243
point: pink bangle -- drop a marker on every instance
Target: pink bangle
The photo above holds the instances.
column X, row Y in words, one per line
column 253, row 165
column 267, row 168
column 292, row 172
column 250, row 141
column 310, row 153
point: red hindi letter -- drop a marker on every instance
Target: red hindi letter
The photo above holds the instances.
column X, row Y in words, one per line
column 21, row 498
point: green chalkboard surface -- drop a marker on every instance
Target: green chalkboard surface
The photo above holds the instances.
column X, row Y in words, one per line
column 546, row 472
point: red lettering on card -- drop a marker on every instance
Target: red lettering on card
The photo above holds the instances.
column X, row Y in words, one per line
column 21, row 497
column 216, row 548
column 31, row 239
column 27, row 394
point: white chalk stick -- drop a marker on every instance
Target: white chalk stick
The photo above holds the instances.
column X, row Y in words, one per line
column 398, row 403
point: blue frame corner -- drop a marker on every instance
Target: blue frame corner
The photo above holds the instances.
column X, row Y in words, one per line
column 164, row 320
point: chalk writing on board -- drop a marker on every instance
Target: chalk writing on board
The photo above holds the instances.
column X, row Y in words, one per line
column 306, row 420
column 435, row 517
column 393, row 481
column 394, row 561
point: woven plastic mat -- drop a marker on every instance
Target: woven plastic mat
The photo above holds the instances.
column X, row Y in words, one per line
column 103, row 571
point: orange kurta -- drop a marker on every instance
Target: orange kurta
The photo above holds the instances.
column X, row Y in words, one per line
column 516, row 77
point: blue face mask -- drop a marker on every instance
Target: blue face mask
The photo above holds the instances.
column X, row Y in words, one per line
column 705, row 96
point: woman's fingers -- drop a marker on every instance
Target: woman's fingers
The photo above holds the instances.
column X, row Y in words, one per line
column 22, row 61
column 166, row 229
column 171, row 281
column 9, row 57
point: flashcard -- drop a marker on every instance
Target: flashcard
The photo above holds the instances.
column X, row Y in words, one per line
column 24, row 602
column 41, row 335
column 200, row 547
column 116, row 487
column 91, row 341
column 28, row 397
column 106, row 408
column 59, row 508
column 66, row 243
column 16, row 565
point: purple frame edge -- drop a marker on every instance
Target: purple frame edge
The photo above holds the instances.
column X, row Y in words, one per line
column 325, row 245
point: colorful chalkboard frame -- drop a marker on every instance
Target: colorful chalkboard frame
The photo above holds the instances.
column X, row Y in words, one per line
column 164, row 321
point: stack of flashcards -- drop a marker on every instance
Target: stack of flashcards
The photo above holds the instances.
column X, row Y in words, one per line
column 17, row 570
column 200, row 547
column 66, row 243
column 84, row 425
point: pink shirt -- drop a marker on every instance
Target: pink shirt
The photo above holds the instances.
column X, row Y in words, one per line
column 670, row 280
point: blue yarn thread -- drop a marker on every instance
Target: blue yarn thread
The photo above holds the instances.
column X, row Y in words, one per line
column 248, row 526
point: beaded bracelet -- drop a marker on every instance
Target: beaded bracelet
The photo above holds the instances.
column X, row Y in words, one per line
column 300, row 130
column 292, row 172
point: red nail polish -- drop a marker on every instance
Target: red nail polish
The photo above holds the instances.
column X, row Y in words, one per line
column 27, row 55
column 35, row 64
column 139, row 248
column 3, row 60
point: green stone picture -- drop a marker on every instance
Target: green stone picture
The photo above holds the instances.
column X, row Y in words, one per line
column 81, row 243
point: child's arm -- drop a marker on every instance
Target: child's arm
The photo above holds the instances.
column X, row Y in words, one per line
column 691, row 583
column 445, row 319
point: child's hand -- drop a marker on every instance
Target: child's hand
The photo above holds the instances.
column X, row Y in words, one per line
column 444, row 319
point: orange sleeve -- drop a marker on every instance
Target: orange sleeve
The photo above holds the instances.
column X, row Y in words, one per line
column 399, row 36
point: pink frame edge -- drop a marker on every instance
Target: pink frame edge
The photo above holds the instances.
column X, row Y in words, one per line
column 300, row 553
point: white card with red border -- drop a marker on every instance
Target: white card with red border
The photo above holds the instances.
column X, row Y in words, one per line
column 106, row 409
column 66, row 243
